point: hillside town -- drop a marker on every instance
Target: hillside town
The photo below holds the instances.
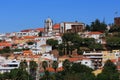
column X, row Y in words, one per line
column 75, row 41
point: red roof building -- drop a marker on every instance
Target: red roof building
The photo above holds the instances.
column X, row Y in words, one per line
column 5, row 44
column 95, row 33
column 56, row 26
column 40, row 29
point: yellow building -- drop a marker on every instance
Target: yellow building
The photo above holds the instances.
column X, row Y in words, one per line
column 111, row 55
column 96, row 72
column 20, row 41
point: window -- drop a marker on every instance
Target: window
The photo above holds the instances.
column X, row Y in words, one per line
column 116, row 54
column 12, row 65
column 86, row 62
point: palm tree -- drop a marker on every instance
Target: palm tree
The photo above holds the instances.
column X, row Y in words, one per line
column 55, row 65
column 44, row 65
column 19, row 74
column 23, row 65
column 33, row 68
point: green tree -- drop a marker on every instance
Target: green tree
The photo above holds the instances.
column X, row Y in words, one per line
column 87, row 28
column 96, row 46
column 22, row 75
column 47, row 76
column 30, row 43
column 113, row 42
column 53, row 43
column 6, row 75
column 71, row 41
column 67, row 37
column 55, row 65
column 66, row 65
column 17, row 50
column 79, row 68
column 14, row 74
column 79, row 72
column 1, row 40
column 109, row 72
column 23, row 65
column 61, row 49
column 114, row 28
column 1, row 76
column 98, row 26
column 88, row 41
column 6, row 49
column 44, row 65
column 109, row 67
column 33, row 67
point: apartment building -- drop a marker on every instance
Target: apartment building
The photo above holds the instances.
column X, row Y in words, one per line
column 7, row 65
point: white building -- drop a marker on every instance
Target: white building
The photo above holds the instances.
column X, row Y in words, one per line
column 83, row 61
column 7, row 65
column 2, row 36
column 48, row 56
column 96, row 35
column 26, row 33
column 96, row 58
column 87, row 62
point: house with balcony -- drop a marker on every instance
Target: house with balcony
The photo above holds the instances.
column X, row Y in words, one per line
column 96, row 58
column 96, row 35
column 7, row 65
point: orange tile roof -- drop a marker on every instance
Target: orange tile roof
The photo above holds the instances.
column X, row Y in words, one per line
column 27, row 30
column 18, row 39
column 118, row 67
column 85, row 58
column 50, row 69
column 5, row 44
column 56, row 26
column 29, row 37
column 40, row 29
column 74, row 59
column 34, row 56
column 119, row 59
column 27, row 52
column 95, row 33
column 113, row 60
column 47, row 59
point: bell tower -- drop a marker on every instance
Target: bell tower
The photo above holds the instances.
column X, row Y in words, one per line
column 48, row 25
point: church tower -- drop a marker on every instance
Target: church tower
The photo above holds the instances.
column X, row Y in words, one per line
column 48, row 25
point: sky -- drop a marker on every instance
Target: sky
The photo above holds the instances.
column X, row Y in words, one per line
column 17, row 15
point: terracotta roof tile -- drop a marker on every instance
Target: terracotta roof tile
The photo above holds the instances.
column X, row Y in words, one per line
column 114, row 60
column 27, row 30
column 29, row 37
column 74, row 59
column 95, row 33
column 50, row 69
column 40, row 29
column 56, row 26
column 5, row 44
